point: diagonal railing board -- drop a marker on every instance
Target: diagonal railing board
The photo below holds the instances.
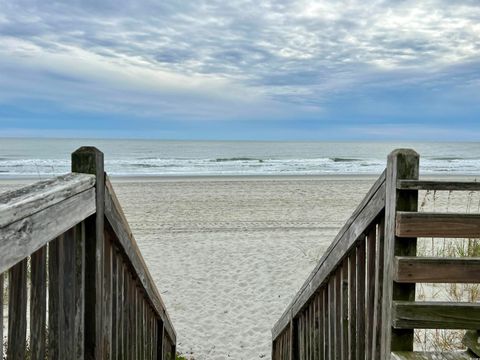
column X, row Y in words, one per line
column 438, row 185
column 19, row 204
column 119, row 224
column 435, row 315
column 445, row 225
column 370, row 207
column 436, row 270
column 23, row 237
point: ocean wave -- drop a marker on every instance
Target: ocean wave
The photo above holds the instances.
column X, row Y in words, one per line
column 238, row 159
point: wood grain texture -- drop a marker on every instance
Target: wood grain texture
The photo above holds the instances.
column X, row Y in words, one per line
column 402, row 164
column 372, row 205
column 435, row 315
column 24, row 202
column 17, row 311
column 412, row 224
column 438, row 185
column 22, row 238
column 38, row 304
column 437, row 270
column 53, row 298
column 119, row 224
column 89, row 160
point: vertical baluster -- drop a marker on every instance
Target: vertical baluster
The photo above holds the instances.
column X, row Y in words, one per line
column 38, row 304
column 361, row 300
column 338, row 313
column 379, row 270
column 120, row 308
column 352, row 304
column 53, row 298
column 17, row 311
column 331, row 315
column 114, row 303
column 2, row 292
column 326, row 328
column 107, row 295
column 371, row 248
column 321, row 328
column 344, row 312
column 79, row 279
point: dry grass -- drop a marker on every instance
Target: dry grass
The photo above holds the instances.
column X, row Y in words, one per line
column 446, row 340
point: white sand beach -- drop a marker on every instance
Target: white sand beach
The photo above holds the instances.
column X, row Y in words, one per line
column 228, row 254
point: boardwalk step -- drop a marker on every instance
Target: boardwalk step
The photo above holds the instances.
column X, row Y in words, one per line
column 436, row 315
column 438, row 185
column 409, row 269
column 414, row 224
column 417, row 355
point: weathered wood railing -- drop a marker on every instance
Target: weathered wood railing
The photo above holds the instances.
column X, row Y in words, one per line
column 359, row 301
column 78, row 287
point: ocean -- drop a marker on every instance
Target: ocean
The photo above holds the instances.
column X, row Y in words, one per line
column 41, row 158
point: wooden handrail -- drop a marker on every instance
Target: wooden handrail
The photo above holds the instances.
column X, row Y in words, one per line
column 29, row 216
column 85, row 263
column 370, row 207
column 119, row 223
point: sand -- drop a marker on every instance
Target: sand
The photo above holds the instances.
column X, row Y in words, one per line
column 228, row 254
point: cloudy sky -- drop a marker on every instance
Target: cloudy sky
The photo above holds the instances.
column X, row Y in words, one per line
column 241, row 69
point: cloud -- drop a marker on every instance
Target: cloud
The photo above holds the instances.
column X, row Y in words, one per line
column 241, row 58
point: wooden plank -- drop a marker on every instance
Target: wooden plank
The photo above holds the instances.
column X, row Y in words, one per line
column 370, row 290
column 453, row 355
column 352, row 304
column 361, row 318
column 119, row 224
column 17, row 311
column 79, row 294
column 365, row 213
column 107, row 295
column 89, row 160
column 24, row 202
column 321, row 324
column 66, row 284
column 2, row 294
column 413, row 224
column 38, row 304
column 53, row 298
column 344, row 328
column 115, row 351
column 438, row 185
column 120, row 303
column 437, row 270
column 331, row 316
column 379, row 270
column 338, row 313
column 22, row 238
column 401, row 164
column 472, row 341
column 435, row 315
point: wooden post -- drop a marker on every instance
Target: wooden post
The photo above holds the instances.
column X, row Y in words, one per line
column 403, row 164
column 89, row 160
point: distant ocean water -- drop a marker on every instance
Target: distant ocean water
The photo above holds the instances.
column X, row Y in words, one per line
column 45, row 157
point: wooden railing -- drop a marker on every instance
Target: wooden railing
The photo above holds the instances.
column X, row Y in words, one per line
column 78, row 287
column 359, row 301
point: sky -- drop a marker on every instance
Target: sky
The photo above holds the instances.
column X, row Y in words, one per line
column 241, row 69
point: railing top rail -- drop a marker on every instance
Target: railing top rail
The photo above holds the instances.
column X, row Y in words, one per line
column 119, row 224
column 21, row 203
column 438, row 185
column 372, row 204
column 32, row 216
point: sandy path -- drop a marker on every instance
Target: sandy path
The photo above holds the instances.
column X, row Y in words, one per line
column 228, row 256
